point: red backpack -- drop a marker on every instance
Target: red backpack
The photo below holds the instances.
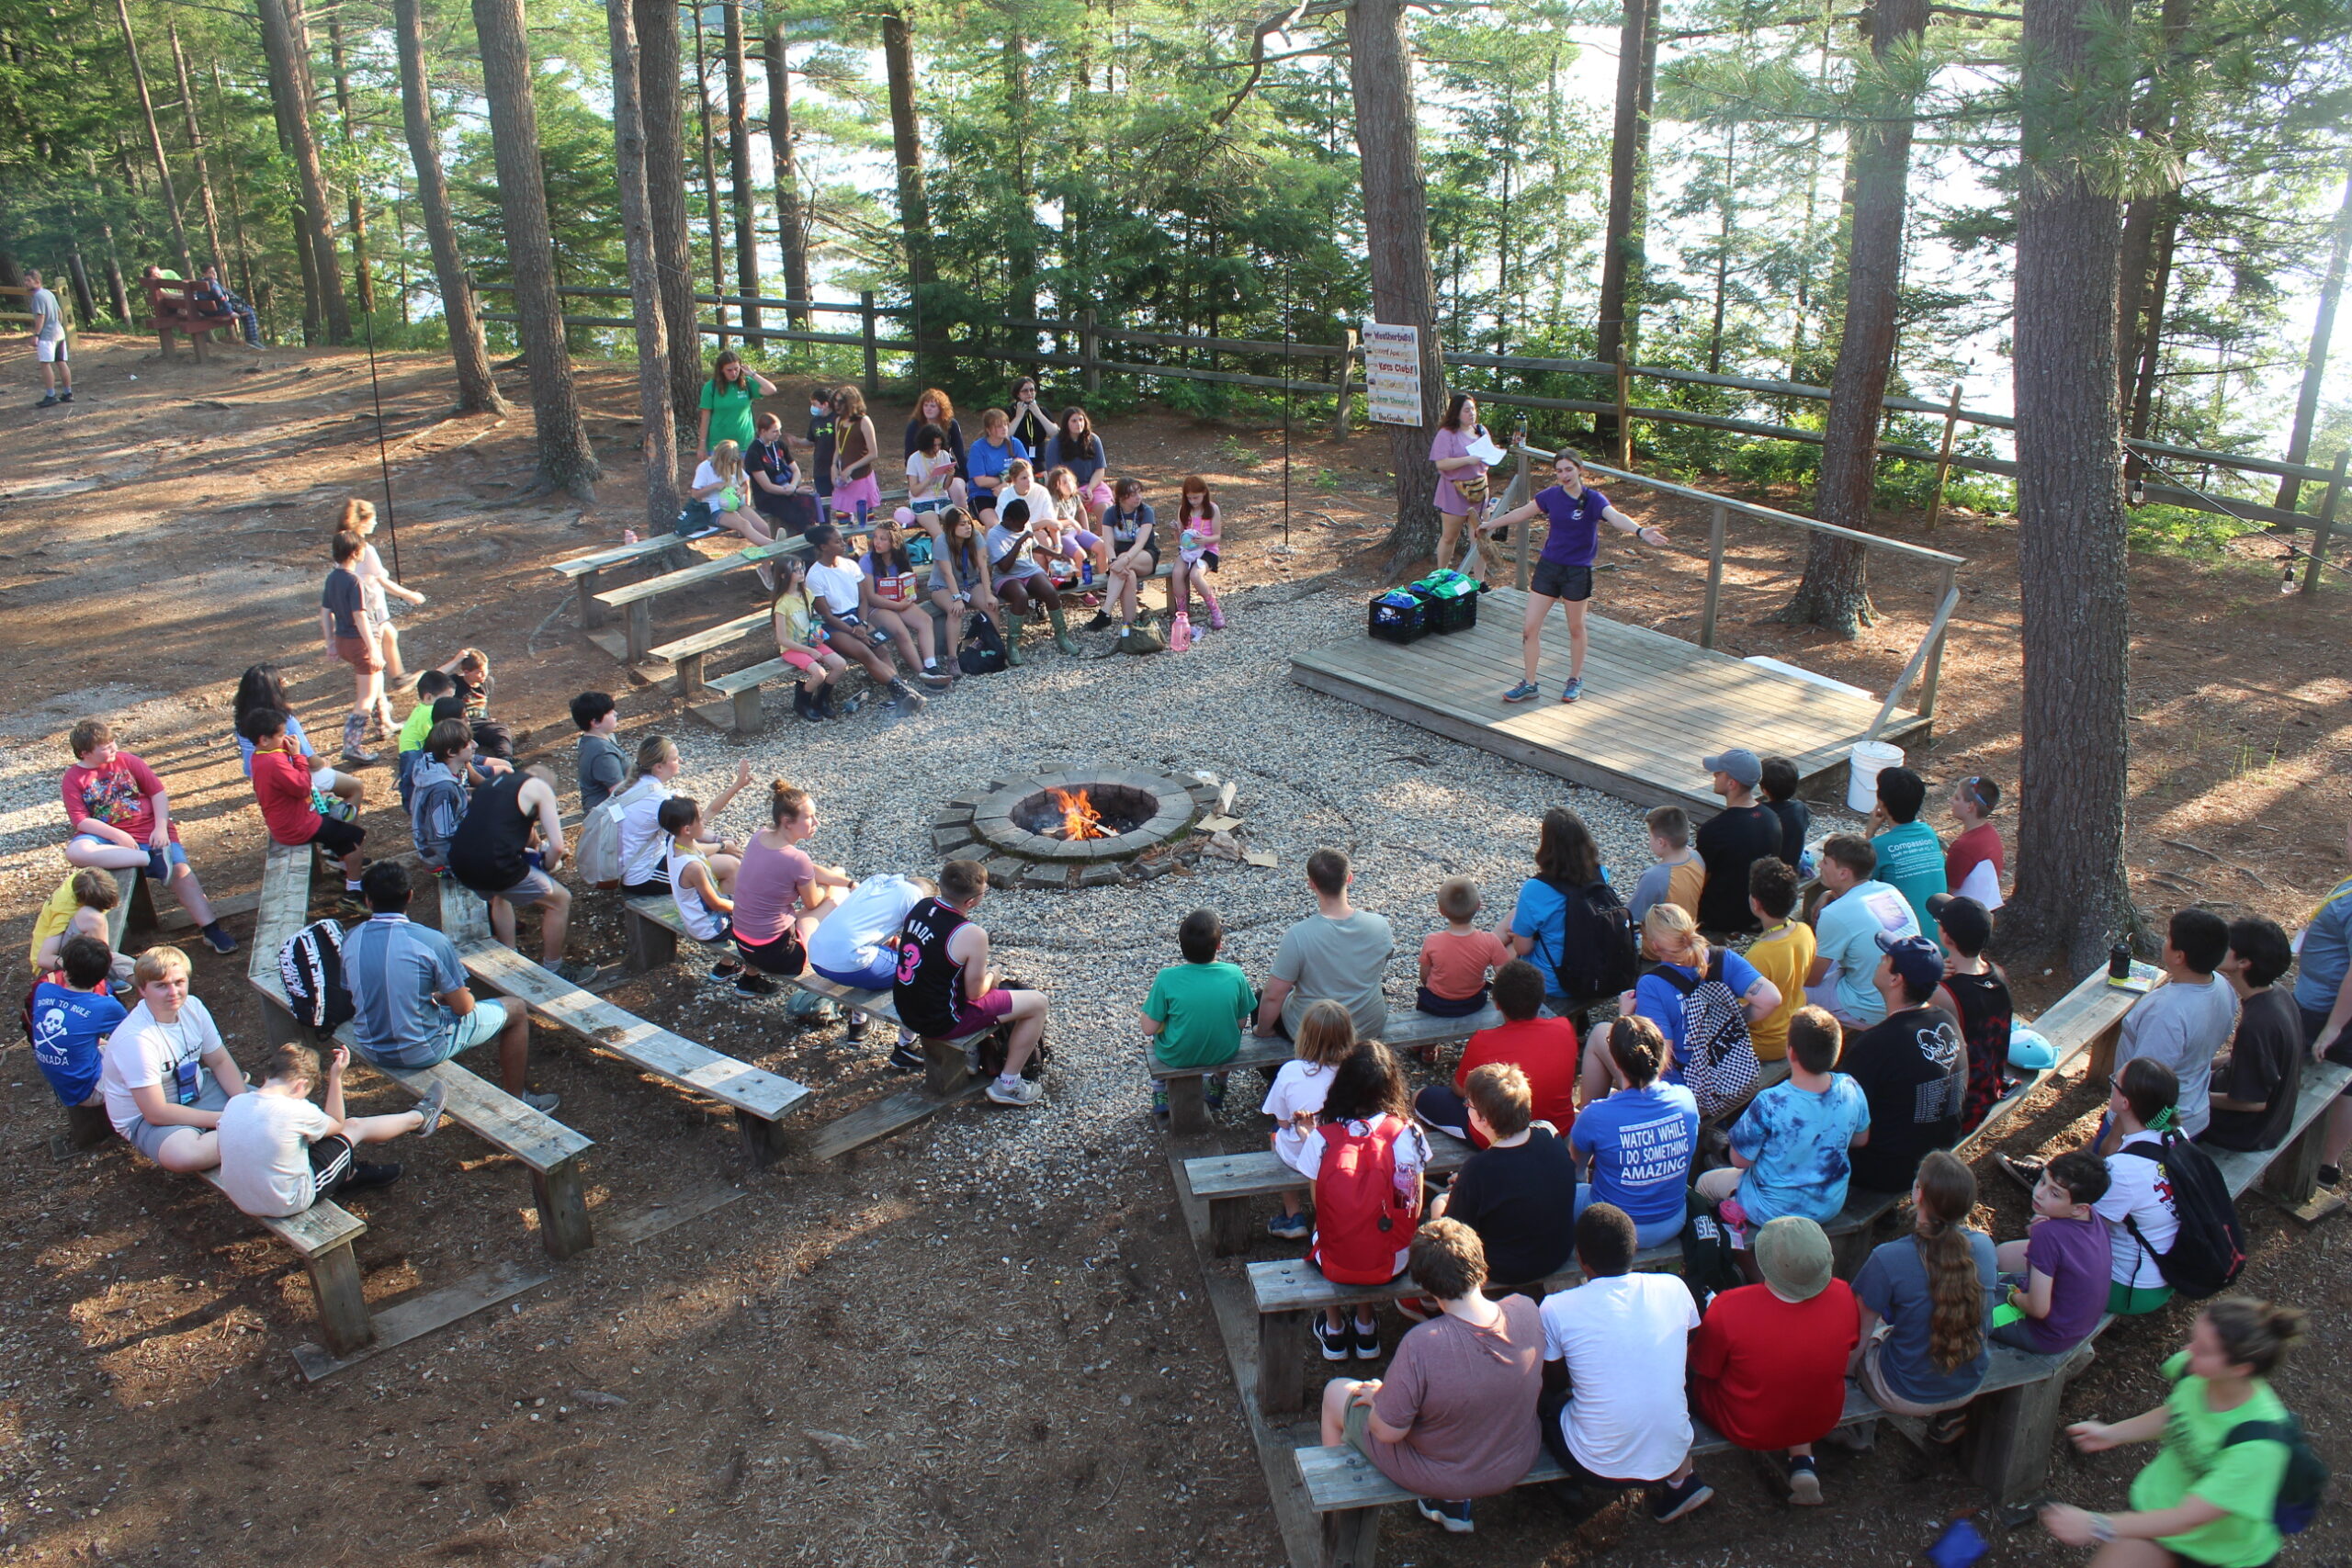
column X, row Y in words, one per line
column 1361, row 1220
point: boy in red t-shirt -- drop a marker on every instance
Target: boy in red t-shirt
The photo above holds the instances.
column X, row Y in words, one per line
column 1545, row 1049
column 121, row 818
column 1768, row 1365
column 282, row 784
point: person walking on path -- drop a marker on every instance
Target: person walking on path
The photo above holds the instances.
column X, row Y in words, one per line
column 49, row 342
column 1573, row 512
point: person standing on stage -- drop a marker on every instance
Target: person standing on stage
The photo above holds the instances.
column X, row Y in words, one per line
column 1564, row 573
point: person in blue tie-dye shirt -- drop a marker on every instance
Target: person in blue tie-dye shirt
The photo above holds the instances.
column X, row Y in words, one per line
column 1791, row 1148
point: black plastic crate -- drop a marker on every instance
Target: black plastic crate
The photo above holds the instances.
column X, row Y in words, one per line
column 1398, row 623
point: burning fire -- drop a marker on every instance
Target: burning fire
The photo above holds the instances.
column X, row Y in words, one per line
column 1080, row 820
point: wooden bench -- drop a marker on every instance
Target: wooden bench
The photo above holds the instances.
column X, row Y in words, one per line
column 322, row 1235
column 760, row 1099
column 687, row 655
column 544, row 1147
column 171, row 307
column 636, row 599
column 1188, row 1113
column 586, row 572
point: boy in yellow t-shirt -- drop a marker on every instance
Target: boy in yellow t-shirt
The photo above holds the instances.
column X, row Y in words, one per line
column 1784, row 955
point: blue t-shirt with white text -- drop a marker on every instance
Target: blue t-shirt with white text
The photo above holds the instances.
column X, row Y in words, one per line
column 1640, row 1143
column 69, row 1026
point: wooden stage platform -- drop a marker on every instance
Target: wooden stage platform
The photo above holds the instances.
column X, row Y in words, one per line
column 1653, row 705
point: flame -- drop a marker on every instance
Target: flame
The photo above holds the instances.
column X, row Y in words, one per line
column 1080, row 820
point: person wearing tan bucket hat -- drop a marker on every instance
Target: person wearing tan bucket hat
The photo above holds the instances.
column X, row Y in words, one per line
column 1768, row 1365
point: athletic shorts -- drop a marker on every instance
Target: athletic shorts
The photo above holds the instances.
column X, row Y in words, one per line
column 535, row 885
column 337, row 838
column 360, row 652
column 50, row 353
column 979, row 1017
column 878, row 976
column 1553, row 581
column 148, row 1138
column 2314, row 1025
column 332, row 1159
column 784, row 957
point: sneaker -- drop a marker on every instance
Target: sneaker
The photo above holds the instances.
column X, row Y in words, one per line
column 1333, row 1342
column 543, row 1104
column 2330, row 1175
column 435, row 1101
column 908, row 698
column 578, row 973
column 1572, row 690
column 1158, row 1102
column 1367, row 1337
column 1805, row 1482
column 1214, row 1092
column 1020, row 1091
column 855, row 1029
column 349, row 906
column 1416, row 1309
column 219, row 941
column 753, row 985
column 49, row 402
column 1101, row 618
column 1668, row 1504
column 1525, row 691
column 2026, row 1173
column 906, row 1056
column 363, row 1177
column 1290, row 1227
column 937, row 680
column 1217, row 624
column 724, row 971
column 66, row 396
column 1453, row 1514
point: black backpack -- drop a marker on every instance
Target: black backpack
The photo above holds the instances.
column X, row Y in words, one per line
column 983, row 650
column 311, row 963
column 2303, row 1487
column 2209, row 1253
column 1598, row 955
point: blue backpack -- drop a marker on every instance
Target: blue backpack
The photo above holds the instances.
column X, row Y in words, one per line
column 2303, row 1486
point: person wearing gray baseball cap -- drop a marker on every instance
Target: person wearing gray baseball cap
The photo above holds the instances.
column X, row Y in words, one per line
column 1768, row 1365
column 1733, row 839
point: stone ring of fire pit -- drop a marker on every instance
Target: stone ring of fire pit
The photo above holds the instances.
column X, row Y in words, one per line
column 1070, row 826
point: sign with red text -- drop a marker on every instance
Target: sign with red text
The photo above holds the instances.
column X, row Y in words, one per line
column 1392, row 373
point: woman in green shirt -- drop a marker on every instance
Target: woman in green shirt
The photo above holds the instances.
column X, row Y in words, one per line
column 2203, row 1500
column 727, row 402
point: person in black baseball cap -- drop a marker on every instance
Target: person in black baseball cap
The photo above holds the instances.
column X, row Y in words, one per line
column 1976, row 993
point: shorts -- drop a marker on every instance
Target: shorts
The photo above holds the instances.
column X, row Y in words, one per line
column 338, row 838
column 535, row 885
column 47, row 352
column 1085, row 540
column 879, row 975
column 1359, row 1429
column 1872, row 1378
column 722, row 936
column 332, row 1159
column 2314, row 1024
column 784, row 957
column 161, row 862
column 360, row 652
column 920, row 507
column 804, row 662
column 73, row 1086
column 1553, row 581
column 979, row 1017
column 483, row 1023
column 149, row 1137
column 1429, row 1002
column 2130, row 1300
column 654, row 886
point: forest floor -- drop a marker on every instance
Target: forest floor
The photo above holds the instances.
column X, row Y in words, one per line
column 923, row 1353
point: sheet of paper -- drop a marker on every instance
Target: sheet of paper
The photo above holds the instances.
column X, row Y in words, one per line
column 1218, row 824
column 1259, row 857
column 1485, row 451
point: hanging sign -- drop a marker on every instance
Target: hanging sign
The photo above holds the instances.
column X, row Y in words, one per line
column 1392, row 373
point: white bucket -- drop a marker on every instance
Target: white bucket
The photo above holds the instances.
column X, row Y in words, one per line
column 1863, row 766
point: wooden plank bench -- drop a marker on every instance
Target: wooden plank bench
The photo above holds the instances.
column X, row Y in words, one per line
column 322, row 1235
column 544, row 1147
column 586, row 573
column 170, row 309
column 687, row 655
column 636, row 599
column 1407, row 1030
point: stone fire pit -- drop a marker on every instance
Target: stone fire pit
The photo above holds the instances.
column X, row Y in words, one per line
column 1079, row 826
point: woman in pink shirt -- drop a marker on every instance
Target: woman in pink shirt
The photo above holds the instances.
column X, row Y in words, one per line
column 780, row 892
column 1449, row 450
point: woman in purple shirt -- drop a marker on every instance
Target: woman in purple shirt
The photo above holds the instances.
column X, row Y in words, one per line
column 1449, row 450
column 1564, row 573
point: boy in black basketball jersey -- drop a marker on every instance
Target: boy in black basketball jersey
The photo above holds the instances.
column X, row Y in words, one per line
column 945, row 991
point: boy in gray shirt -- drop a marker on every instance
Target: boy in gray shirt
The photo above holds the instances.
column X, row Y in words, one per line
column 601, row 762
column 2188, row 1020
column 1338, row 953
column 49, row 343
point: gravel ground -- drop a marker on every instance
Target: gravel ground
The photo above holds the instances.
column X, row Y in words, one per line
column 1409, row 809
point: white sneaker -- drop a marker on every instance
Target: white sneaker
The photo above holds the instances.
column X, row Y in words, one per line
column 1020, row 1091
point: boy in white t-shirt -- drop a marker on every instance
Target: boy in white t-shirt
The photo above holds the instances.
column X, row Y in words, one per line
column 279, row 1154
column 836, row 586
column 167, row 1075
column 49, row 342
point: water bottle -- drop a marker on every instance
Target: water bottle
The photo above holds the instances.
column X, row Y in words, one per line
column 1180, row 632
column 2118, row 960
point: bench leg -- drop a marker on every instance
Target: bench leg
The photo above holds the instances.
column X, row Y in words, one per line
column 749, row 715
column 689, row 680
column 1188, row 1105
column 648, row 945
column 591, row 614
column 563, row 1210
column 142, row 902
column 1282, row 1364
column 279, row 1027
column 946, row 1073
column 1849, row 1251
column 1230, row 1228
column 763, row 1140
column 86, row 1126
column 641, row 630
column 344, row 1321
column 2010, row 1434
column 1352, row 1537
column 2293, row 1176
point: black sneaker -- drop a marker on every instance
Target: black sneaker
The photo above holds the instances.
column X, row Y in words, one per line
column 49, row 402
column 909, row 700
column 1333, row 1342
column 1453, row 1514
column 821, row 704
column 802, row 707
column 2330, row 1175
column 1670, row 1502
column 2026, row 1173
column 855, row 1029
column 66, row 396
column 905, row 1057
column 1101, row 618
column 1367, row 1338
column 753, row 985
column 363, row 1177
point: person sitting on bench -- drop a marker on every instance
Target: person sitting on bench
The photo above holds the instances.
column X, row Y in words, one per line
column 280, row 1153
column 856, row 940
column 2262, row 1077
column 1338, row 954
column 700, row 888
column 945, row 989
column 840, row 590
column 1846, row 927
column 490, row 853
column 412, row 1006
column 1636, row 1145
column 1791, row 1148
column 1684, row 958
column 1976, row 994
column 1544, row 1049
column 2185, row 1021
column 167, row 1075
column 1455, row 1419
column 1195, row 1010
column 71, row 1014
column 283, row 788
column 78, row 907
column 1509, row 1191
column 2056, row 1278
column 121, row 818
column 1933, row 1291
column 783, row 896
column 1768, row 1367
column 214, row 298
column 1911, row 1065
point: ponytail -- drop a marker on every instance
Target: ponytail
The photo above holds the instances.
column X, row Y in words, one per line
column 2254, row 1333
column 651, row 753
column 1947, row 1195
column 358, row 516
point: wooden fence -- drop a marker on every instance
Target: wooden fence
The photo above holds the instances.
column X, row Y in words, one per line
column 1079, row 346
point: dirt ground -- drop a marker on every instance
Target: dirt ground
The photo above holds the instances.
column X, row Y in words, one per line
column 854, row 1363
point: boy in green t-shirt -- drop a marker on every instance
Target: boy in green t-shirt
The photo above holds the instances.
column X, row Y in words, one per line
column 1196, row 1009
column 1910, row 856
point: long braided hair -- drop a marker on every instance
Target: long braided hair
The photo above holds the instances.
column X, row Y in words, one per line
column 1947, row 1194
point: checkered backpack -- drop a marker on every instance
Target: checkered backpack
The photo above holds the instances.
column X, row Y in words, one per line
column 1718, row 1059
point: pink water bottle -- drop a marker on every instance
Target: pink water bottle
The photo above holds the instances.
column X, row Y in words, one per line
column 1180, row 632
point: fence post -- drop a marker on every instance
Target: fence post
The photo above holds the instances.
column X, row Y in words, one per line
column 1943, row 459
column 1625, row 420
column 2326, row 524
column 1714, row 577
column 1944, row 585
column 1347, row 393
column 1090, row 351
column 865, row 325
column 1526, row 488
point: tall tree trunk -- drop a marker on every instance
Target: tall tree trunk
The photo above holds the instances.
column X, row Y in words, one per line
column 906, row 142
column 739, row 162
column 196, row 151
column 236, row 202
column 360, row 273
column 2071, row 896
column 1396, row 237
column 2331, row 289
column 660, row 433
column 2141, row 411
column 77, row 273
column 1620, row 255
column 1021, row 223
column 400, row 246
column 154, row 140
column 1835, row 592
column 291, row 93
column 1725, row 205
column 477, row 388
column 567, row 461
column 712, row 211
column 776, row 57
column 663, row 112
column 116, row 291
